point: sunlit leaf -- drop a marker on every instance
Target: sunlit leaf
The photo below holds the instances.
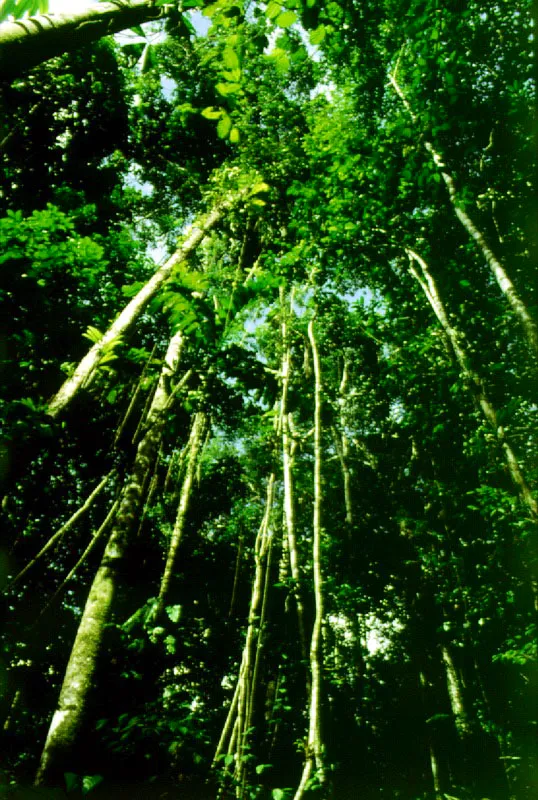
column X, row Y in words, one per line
column 211, row 112
column 286, row 19
column 224, row 125
column 317, row 35
column 273, row 10
column 7, row 8
column 230, row 58
column 93, row 334
column 228, row 88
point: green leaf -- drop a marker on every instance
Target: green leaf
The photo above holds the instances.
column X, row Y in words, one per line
column 228, row 759
column 317, row 35
column 89, row 782
column 211, row 112
column 6, row 9
column 131, row 289
column 174, row 612
column 138, row 30
column 234, row 135
column 22, row 8
column 230, row 58
column 286, row 19
column 260, row 187
column 273, row 10
column 228, row 88
column 93, row 334
column 231, row 75
column 148, row 59
column 224, row 125
column 278, row 794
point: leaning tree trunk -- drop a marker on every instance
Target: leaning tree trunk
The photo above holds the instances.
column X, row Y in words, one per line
column 72, row 704
column 85, row 371
column 314, row 756
column 500, row 274
column 28, row 42
column 478, row 391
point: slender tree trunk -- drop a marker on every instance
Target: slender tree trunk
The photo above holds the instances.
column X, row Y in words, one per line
column 341, row 444
column 65, row 528
column 455, row 693
column 434, row 761
column 288, row 451
column 314, row 758
column 240, row 713
column 28, row 42
column 85, row 371
column 477, row 389
column 499, row 271
column 194, row 449
column 72, row 704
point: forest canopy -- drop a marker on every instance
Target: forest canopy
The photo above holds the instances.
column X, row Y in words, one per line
column 269, row 369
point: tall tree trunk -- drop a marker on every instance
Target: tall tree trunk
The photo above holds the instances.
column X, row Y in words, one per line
column 28, row 42
column 84, row 372
column 477, row 389
column 342, row 448
column 72, row 704
column 239, row 717
column 194, row 449
column 434, row 760
column 455, row 694
column 499, row 271
column 288, row 452
column 314, row 757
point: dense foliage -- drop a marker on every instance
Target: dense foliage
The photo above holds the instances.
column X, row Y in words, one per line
column 269, row 369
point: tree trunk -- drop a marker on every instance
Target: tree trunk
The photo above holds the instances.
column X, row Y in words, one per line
column 72, row 704
column 434, row 760
column 455, row 693
column 314, row 759
column 477, row 389
column 194, row 449
column 28, row 42
column 237, row 722
column 499, row 271
column 288, row 450
column 85, row 370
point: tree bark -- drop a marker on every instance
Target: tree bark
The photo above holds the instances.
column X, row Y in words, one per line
column 72, row 704
column 455, row 694
column 194, row 448
column 477, row 389
column 28, row 42
column 314, row 759
column 238, row 719
column 434, row 761
column 499, row 271
column 288, row 450
column 85, row 371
